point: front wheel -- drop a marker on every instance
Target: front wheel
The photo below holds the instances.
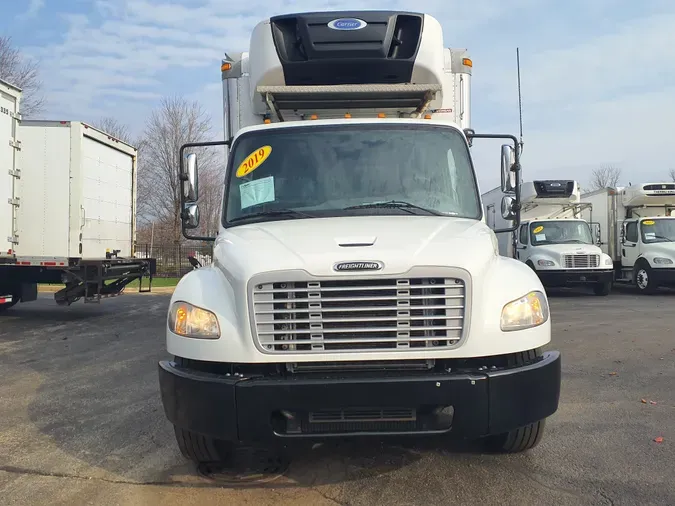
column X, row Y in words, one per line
column 644, row 278
column 201, row 449
column 518, row 440
column 602, row 288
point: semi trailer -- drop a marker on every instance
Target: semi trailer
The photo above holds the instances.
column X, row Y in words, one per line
column 67, row 209
column 553, row 239
column 637, row 225
column 355, row 288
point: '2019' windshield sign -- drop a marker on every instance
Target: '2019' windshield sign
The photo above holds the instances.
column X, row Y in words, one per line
column 347, row 24
column 358, row 266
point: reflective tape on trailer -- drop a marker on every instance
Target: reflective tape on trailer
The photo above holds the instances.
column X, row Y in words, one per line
column 6, row 299
column 41, row 262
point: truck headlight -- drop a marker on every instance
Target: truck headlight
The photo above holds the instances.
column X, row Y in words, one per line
column 662, row 261
column 608, row 261
column 545, row 263
column 524, row 313
column 190, row 321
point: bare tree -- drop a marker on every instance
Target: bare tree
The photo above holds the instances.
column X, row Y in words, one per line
column 175, row 122
column 115, row 129
column 605, row 177
column 22, row 72
column 672, row 174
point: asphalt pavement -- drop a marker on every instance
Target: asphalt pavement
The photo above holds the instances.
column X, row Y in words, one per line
column 81, row 421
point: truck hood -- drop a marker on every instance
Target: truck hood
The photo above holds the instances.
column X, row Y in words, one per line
column 567, row 249
column 316, row 244
column 660, row 249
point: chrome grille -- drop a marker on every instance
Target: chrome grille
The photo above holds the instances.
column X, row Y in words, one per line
column 359, row 315
column 581, row 261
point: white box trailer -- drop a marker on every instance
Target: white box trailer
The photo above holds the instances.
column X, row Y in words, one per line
column 70, row 213
column 553, row 238
column 10, row 98
column 637, row 230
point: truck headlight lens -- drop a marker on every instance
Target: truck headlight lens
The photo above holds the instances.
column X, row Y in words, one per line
column 545, row 263
column 190, row 321
column 524, row 313
column 608, row 261
column 662, row 261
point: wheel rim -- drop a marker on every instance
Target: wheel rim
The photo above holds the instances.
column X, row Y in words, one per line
column 642, row 279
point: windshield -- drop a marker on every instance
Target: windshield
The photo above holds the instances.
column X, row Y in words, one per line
column 658, row 230
column 560, row 232
column 323, row 170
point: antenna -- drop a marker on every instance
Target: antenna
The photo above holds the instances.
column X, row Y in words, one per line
column 520, row 100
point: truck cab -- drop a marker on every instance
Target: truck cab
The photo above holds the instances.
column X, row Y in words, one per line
column 355, row 288
column 647, row 235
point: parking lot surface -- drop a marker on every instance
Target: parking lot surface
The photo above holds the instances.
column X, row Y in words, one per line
column 81, row 420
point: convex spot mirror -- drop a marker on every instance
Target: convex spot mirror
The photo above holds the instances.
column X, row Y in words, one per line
column 508, row 208
column 191, row 216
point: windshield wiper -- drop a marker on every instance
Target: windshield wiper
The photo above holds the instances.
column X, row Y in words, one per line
column 396, row 204
column 663, row 237
column 291, row 213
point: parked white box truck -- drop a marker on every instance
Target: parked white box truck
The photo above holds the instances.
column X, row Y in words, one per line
column 355, row 288
column 637, row 225
column 67, row 210
column 553, row 239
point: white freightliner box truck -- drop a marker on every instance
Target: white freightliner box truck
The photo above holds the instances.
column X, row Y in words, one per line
column 637, row 226
column 553, row 239
column 67, row 209
column 355, row 288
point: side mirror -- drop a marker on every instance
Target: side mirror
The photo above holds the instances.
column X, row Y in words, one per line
column 508, row 211
column 191, row 216
column 191, row 176
column 508, row 176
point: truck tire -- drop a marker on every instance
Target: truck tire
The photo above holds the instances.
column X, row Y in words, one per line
column 518, row 440
column 201, row 449
column 643, row 278
column 602, row 288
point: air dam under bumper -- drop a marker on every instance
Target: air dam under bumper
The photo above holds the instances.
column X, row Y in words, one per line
column 265, row 409
column 574, row 277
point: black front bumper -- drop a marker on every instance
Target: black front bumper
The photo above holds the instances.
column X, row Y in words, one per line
column 574, row 277
column 663, row 277
column 249, row 410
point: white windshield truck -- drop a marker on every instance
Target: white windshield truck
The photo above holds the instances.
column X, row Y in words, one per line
column 553, row 239
column 67, row 209
column 637, row 226
column 355, row 288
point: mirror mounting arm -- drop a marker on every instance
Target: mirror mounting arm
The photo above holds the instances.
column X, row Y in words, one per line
column 182, row 178
column 515, row 168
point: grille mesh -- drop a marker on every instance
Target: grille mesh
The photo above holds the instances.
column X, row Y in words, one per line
column 359, row 315
column 581, row 261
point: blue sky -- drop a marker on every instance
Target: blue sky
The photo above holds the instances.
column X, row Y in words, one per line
column 598, row 75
